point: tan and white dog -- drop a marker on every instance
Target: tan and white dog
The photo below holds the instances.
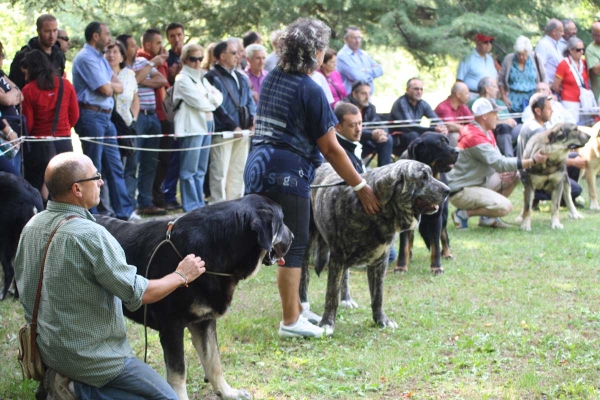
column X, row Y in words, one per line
column 591, row 154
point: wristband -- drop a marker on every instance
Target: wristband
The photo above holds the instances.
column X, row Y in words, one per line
column 150, row 63
column 361, row 185
column 184, row 278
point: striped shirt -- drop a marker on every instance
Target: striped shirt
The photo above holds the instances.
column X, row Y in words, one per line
column 145, row 94
column 81, row 328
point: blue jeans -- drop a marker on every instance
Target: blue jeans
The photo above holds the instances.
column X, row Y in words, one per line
column 192, row 171
column 106, row 158
column 13, row 165
column 147, row 160
column 137, row 381
column 169, row 186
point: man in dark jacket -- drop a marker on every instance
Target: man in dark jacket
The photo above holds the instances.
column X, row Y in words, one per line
column 227, row 161
column 372, row 139
column 348, row 132
column 47, row 29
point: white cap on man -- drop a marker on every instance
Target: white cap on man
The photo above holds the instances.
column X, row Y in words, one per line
column 482, row 106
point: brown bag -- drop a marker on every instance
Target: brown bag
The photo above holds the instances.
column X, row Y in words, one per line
column 28, row 356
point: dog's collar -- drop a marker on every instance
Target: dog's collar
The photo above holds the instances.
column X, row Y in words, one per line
column 168, row 240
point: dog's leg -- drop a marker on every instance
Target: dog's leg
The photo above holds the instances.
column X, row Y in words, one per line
column 204, row 338
column 332, row 295
column 573, row 213
column 554, row 208
column 446, row 251
column 376, row 274
column 525, row 217
column 9, row 272
column 404, row 251
column 171, row 339
column 434, row 234
column 305, row 277
column 590, row 178
column 346, row 299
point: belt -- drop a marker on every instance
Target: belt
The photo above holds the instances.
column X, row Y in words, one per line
column 95, row 108
column 148, row 112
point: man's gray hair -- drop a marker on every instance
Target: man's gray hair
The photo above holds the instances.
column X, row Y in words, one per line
column 523, row 44
column 253, row 48
column 483, row 84
column 566, row 22
column 551, row 25
column 350, row 29
column 298, row 45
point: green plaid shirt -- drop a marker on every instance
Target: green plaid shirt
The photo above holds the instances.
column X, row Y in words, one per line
column 81, row 327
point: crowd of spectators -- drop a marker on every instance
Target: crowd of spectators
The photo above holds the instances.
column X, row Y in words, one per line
column 119, row 87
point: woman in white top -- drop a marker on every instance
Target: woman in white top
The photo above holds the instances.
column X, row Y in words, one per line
column 127, row 103
column 195, row 98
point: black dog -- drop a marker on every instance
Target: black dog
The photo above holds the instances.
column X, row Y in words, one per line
column 232, row 237
column 434, row 150
column 19, row 202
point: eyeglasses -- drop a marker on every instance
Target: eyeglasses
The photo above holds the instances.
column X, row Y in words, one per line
column 65, row 38
column 97, row 177
column 195, row 59
column 581, row 50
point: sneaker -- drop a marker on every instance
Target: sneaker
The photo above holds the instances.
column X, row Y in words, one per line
column 302, row 328
column 493, row 222
column 134, row 217
column 459, row 221
column 309, row 315
column 152, row 210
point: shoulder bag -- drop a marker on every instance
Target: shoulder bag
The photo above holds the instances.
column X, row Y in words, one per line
column 28, row 356
column 243, row 113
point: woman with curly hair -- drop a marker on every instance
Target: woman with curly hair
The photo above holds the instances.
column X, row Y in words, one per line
column 294, row 126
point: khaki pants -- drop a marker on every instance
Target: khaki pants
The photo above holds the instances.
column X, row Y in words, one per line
column 487, row 196
column 227, row 163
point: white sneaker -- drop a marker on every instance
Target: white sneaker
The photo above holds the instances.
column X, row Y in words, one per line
column 302, row 328
column 134, row 217
column 309, row 315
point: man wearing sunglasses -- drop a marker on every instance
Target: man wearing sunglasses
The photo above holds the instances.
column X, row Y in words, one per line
column 63, row 41
column 85, row 348
column 477, row 65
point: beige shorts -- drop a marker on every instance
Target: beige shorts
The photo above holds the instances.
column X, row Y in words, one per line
column 486, row 196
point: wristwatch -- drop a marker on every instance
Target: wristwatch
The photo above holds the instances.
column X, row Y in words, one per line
column 150, row 63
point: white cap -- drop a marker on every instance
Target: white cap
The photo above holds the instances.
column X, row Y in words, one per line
column 482, row 106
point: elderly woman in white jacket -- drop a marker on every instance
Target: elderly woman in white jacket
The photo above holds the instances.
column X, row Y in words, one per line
column 197, row 99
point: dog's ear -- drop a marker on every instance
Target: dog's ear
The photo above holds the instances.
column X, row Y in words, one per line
column 263, row 224
column 413, row 147
column 556, row 133
column 390, row 180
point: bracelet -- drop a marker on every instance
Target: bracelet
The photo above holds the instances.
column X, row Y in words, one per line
column 361, row 185
column 184, row 278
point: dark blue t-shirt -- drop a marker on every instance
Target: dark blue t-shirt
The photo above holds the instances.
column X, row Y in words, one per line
column 292, row 114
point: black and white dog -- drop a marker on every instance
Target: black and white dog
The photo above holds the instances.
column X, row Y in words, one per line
column 19, row 202
column 232, row 237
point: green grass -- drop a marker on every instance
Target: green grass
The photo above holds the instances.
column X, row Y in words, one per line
column 515, row 316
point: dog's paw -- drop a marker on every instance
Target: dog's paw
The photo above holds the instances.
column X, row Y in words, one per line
column 348, row 303
column 518, row 220
column 384, row 322
column 594, row 207
column 401, row 270
column 437, row 270
column 557, row 225
column 575, row 215
column 526, row 226
column 235, row 394
column 447, row 256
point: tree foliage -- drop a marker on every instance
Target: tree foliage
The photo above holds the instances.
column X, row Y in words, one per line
column 431, row 30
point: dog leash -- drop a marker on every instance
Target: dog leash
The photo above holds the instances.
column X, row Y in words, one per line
column 340, row 183
column 167, row 240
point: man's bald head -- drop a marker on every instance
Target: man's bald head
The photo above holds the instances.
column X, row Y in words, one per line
column 63, row 170
column 457, row 87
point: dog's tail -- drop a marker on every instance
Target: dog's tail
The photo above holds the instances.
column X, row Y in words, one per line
column 425, row 234
column 321, row 255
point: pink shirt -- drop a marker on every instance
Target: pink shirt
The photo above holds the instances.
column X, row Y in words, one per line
column 336, row 84
column 445, row 111
column 256, row 81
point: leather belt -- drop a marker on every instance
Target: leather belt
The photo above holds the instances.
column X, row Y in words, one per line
column 95, row 108
column 148, row 112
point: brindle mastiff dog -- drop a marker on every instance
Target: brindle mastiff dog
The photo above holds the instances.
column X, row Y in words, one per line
column 406, row 189
column 591, row 154
column 551, row 176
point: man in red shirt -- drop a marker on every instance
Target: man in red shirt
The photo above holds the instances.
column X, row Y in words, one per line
column 454, row 112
